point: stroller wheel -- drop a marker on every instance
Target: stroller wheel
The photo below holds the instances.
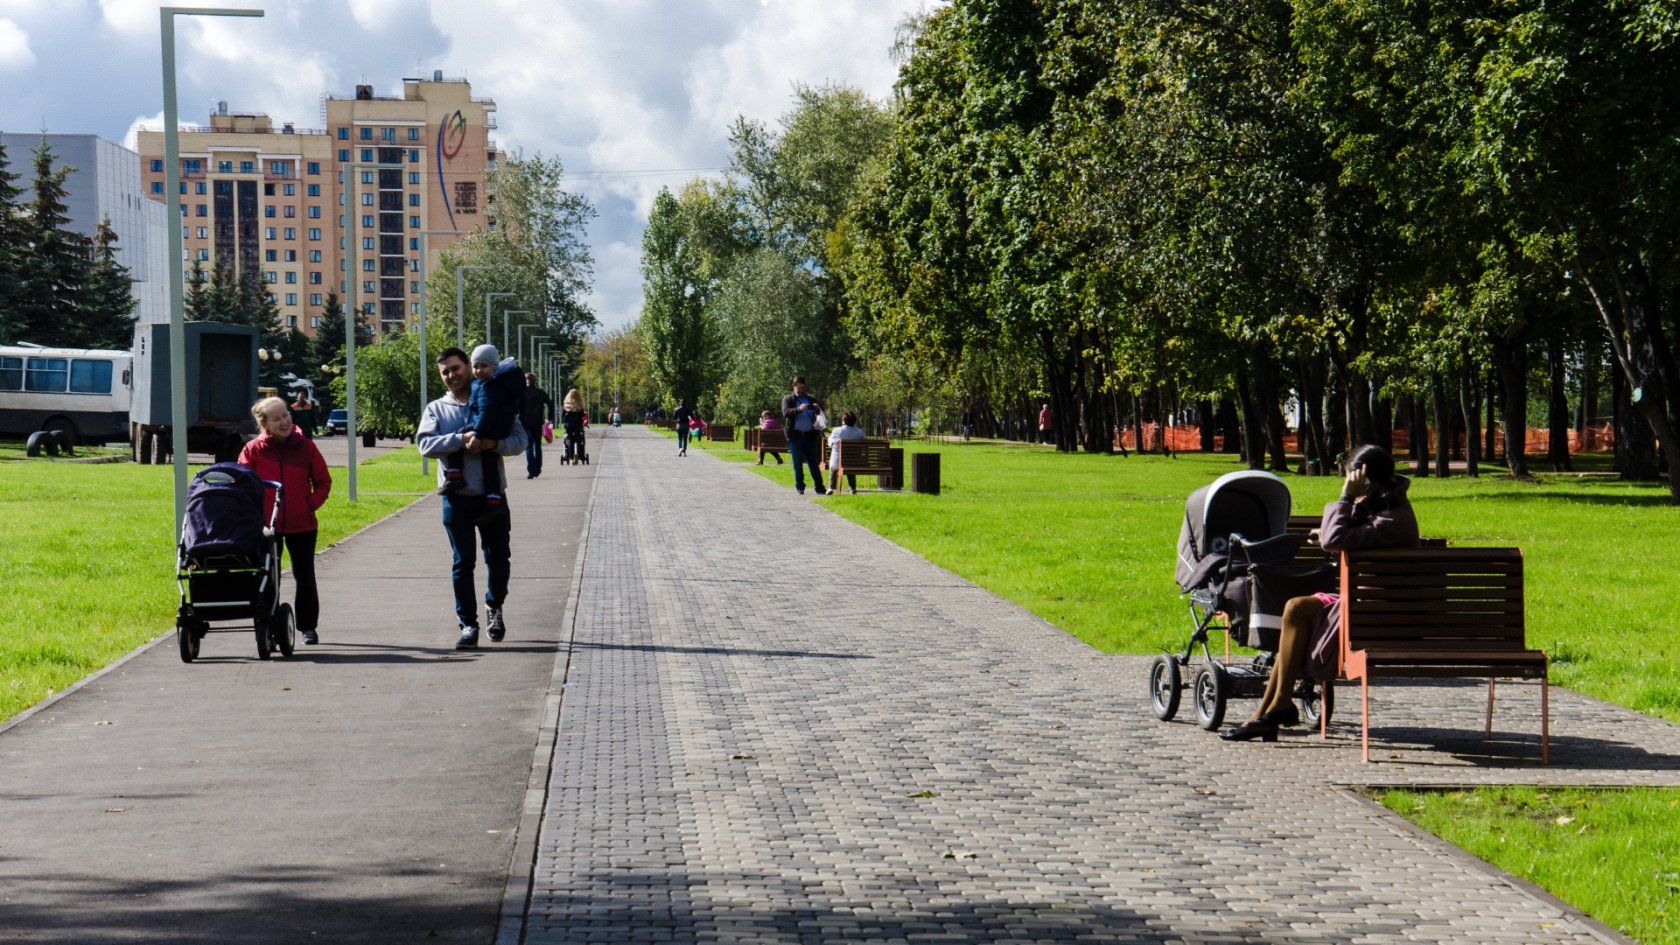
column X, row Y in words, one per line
column 1165, row 686
column 1211, row 687
column 285, row 630
column 187, row 639
column 1314, row 699
column 265, row 642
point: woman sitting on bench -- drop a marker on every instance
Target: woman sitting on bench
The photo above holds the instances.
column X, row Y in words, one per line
column 1372, row 512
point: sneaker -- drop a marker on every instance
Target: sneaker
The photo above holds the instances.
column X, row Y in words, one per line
column 310, row 638
column 468, row 640
column 497, row 626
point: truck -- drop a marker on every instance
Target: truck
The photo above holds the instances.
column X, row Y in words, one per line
column 221, row 385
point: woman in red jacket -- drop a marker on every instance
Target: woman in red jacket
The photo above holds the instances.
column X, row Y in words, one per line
column 283, row 454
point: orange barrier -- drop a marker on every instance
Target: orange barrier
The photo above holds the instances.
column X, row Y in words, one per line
column 1187, row 438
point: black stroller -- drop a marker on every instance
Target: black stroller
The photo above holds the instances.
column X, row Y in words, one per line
column 229, row 562
column 1239, row 562
column 576, row 450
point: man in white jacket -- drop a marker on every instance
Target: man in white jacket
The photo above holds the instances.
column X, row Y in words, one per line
column 443, row 430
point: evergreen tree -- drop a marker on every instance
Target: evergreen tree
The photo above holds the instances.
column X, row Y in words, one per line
column 52, row 277
column 109, row 319
column 12, row 249
column 197, row 302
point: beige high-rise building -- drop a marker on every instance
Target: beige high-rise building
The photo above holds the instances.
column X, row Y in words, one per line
column 272, row 202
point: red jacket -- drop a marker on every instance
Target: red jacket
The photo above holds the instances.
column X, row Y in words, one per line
column 298, row 466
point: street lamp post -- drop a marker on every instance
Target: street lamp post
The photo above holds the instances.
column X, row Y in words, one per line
column 177, row 291
column 460, row 313
column 426, row 369
column 533, row 349
column 519, row 351
column 488, row 337
column 352, row 314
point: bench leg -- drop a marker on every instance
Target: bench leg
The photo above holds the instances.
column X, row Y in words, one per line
column 1545, row 719
column 1365, row 718
column 1324, row 701
column 1488, row 732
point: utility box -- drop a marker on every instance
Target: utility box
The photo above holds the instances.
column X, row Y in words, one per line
column 221, row 386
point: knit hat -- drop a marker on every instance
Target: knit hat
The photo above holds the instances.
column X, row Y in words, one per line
column 486, row 354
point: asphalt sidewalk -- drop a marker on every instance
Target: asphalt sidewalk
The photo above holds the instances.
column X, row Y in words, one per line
column 366, row 790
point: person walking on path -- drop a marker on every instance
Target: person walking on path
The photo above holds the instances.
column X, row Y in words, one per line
column 800, row 413
column 538, row 407
column 1046, row 423
column 681, row 416
column 281, row 453
column 444, row 430
column 571, row 420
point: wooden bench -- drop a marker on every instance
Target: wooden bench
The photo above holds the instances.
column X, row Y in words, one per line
column 773, row 442
column 720, row 433
column 864, row 458
column 1436, row 613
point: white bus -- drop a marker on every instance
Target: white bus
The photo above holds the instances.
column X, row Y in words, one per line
column 83, row 392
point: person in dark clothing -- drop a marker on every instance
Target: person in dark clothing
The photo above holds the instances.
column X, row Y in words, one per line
column 800, row 417
column 498, row 391
column 681, row 416
column 537, row 407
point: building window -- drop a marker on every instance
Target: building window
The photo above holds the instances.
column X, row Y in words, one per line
column 291, row 255
column 291, row 279
column 414, row 134
column 315, row 255
column 314, row 213
column 272, row 300
column 199, row 188
column 269, row 276
column 313, row 167
column 289, row 212
column 367, row 200
column 157, row 186
column 291, row 299
column 247, row 167
column 343, row 155
column 204, row 254
column 268, row 233
column 367, row 265
column 268, row 211
column 414, row 200
column 315, row 320
column 387, row 134
column 192, row 166
column 344, row 134
column 314, row 190
column 291, row 232
column 414, row 288
column 291, row 321
column 270, row 255
column 414, row 177
column 367, row 242
column 203, row 210
column 367, row 287
column 224, row 167
column 367, row 221
column 366, row 134
column 203, row 233
column 414, row 156
column 414, row 244
column 281, row 169
column 314, row 299
column 315, row 277
column 315, row 233
column 183, row 211
column 367, row 155
column 291, row 190
column 157, row 166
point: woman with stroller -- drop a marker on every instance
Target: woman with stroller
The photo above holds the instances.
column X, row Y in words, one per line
column 1372, row 512
column 572, row 419
column 281, row 453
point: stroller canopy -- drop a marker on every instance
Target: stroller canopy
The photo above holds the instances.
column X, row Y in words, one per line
column 224, row 513
column 1250, row 503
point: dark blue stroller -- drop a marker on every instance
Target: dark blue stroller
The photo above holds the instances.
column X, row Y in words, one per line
column 1240, row 559
column 228, row 566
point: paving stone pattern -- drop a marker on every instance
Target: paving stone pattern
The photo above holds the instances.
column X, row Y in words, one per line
column 778, row 727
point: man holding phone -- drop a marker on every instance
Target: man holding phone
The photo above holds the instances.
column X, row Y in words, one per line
column 799, row 419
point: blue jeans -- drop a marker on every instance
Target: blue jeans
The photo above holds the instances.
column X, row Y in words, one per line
column 533, row 450
column 682, row 437
column 460, row 513
column 806, row 448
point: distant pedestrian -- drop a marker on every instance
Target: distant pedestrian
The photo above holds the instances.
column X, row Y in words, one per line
column 967, row 423
column 281, row 453
column 303, row 415
column 572, row 417
column 1046, row 425
column 538, row 406
column 681, row 417
column 802, row 415
column 444, row 429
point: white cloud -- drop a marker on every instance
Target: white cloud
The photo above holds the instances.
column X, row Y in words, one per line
column 15, row 54
column 131, row 137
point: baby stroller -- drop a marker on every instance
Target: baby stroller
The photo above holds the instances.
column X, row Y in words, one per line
column 1239, row 562
column 576, row 451
column 229, row 562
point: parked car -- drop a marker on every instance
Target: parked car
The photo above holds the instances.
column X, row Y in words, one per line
column 337, row 422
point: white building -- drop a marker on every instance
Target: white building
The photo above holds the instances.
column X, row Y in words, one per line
column 105, row 183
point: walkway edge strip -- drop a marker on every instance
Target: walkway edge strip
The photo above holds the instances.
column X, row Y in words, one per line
column 169, row 634
column 522, row 865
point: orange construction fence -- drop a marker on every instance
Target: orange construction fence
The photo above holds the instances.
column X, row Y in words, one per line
column 1187, row 438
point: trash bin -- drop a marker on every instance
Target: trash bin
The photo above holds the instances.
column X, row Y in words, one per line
column 924, row 473
column 368, row 439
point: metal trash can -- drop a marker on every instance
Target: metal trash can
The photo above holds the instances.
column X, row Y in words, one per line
column 924, row 473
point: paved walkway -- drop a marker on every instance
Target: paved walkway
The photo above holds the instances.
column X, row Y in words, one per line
column 367, row 790
column 777, row 727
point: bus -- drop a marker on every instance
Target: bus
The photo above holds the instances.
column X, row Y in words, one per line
column 85, row 393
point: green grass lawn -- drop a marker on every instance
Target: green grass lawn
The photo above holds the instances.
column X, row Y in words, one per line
column 87, row 560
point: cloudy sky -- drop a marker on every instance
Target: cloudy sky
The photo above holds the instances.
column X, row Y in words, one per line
column 631, row 95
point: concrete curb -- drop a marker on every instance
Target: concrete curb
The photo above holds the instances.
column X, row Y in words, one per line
column 522, row 865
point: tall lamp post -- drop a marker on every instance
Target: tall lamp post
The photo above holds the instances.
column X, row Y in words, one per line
column 352, row 313
column 426, row 369
column 519, row 351
column 177, row 291
column 460, row 315
column 488, row 337
column 534, row 339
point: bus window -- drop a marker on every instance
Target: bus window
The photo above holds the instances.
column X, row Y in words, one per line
column 49, row 375
column 11, row 374
column 90, row 377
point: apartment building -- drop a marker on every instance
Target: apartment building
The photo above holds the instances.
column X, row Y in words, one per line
column 345, row 207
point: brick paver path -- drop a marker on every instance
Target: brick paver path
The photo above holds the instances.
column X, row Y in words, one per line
column 778, row 727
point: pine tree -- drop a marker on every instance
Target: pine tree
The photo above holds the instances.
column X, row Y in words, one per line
column 109, row 318
column 12, row 250
column 52, row 278
column 197, row 302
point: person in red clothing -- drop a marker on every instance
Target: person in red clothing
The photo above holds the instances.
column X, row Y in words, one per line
column 283, row 454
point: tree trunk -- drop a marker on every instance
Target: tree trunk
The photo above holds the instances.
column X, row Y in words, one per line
column 1230, row 425
column 1443, row 424
column 1511, row 358
column 1490, row 396
column 1469, row 401
column 1420, row 437
column 1205, row 423
column 1557, row 407
column 1253, row 451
